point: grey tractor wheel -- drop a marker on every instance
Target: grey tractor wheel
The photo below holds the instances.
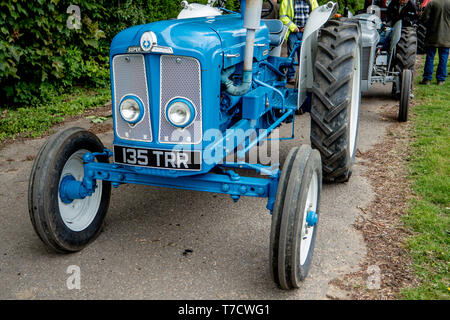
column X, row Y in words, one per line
column 421, row 34
column 405, row 95
column 66, row 227
column 405, row 56
column 295, row 217
column 336, row 98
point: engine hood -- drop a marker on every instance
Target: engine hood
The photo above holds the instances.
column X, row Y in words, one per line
column 193, row 37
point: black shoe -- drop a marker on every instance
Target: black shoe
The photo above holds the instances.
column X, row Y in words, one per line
column 440, row 82
column 425, row 81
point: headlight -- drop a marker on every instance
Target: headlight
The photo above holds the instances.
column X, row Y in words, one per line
column 131, row 109
column 180, row 112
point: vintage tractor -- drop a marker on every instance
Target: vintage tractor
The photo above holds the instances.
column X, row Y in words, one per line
column 187, row 94
column 388, row 56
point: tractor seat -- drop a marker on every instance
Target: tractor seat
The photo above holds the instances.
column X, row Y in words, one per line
column 277, row 31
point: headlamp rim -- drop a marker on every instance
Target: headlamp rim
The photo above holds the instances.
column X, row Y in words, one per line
column 191, row 109
column 141, row 109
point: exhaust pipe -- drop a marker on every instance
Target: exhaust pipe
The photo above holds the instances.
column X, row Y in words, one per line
column 252, row 20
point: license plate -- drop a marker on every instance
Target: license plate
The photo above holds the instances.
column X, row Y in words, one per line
column 158, row 158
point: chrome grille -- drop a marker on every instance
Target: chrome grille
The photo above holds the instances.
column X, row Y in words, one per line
column 366, row 57
column 180, row 78
column 130, row 79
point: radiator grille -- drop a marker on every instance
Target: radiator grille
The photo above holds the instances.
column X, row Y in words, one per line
column 130, row 79
column 180, row 78
column 366, row 63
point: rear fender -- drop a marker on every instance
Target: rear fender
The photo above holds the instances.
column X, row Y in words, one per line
column 395, row 38
column 316, row 20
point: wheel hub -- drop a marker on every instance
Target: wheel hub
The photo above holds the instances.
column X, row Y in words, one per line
column 311, row 218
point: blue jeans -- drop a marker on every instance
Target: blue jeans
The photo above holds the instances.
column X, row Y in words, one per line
column 293, row 37
column 441, row 72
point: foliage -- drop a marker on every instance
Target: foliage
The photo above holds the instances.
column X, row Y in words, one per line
column 353, row 5
column 37, row 49
column 42, row 55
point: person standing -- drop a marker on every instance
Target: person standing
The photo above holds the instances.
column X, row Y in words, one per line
column 294, row 14
column 404, row 10
column 436, row 19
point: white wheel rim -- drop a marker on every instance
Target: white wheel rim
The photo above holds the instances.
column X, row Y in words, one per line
column 79, row 214
column 307, row 231
column 354, row 106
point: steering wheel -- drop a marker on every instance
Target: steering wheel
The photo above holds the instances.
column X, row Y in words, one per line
column 264, row 12
column 221, row 3
column 267, row 11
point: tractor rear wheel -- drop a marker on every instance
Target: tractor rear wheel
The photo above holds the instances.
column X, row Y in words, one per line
column 336, row 98
column 421, row 34
column 405, row 57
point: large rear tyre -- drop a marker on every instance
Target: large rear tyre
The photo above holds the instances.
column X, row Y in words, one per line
column 421, row 34
column 295, row 217
column 66, row 226
column 336, row 98
column 405, row 95
column 405, row 57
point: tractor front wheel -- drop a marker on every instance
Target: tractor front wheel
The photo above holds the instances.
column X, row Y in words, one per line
column 295, row 217
column 405, row 95
column 336, row 98
column 66, row 225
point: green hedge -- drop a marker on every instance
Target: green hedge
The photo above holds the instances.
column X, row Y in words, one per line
column 40, row 56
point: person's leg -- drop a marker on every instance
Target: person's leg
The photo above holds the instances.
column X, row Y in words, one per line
column 429, row 64
column 290, row 42
column 299, row 36
column 441, row 72
column 387, row 41
column 292, row 39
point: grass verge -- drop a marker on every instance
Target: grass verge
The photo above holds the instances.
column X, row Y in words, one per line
column 34, row 121
column 428, row 210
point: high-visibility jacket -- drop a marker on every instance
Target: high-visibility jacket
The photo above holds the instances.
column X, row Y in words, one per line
column 287, row 13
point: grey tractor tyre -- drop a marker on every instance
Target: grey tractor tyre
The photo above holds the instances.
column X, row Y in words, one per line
column 405, row 55
column 331, row 98
column 43, row 191
column 407, row 78
column 421, row 35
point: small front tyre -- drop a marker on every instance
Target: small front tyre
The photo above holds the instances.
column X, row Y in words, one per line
column 62, row 226
column 405, row 95
column 295, row 217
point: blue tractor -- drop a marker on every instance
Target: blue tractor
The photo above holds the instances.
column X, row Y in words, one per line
column 189, row 93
